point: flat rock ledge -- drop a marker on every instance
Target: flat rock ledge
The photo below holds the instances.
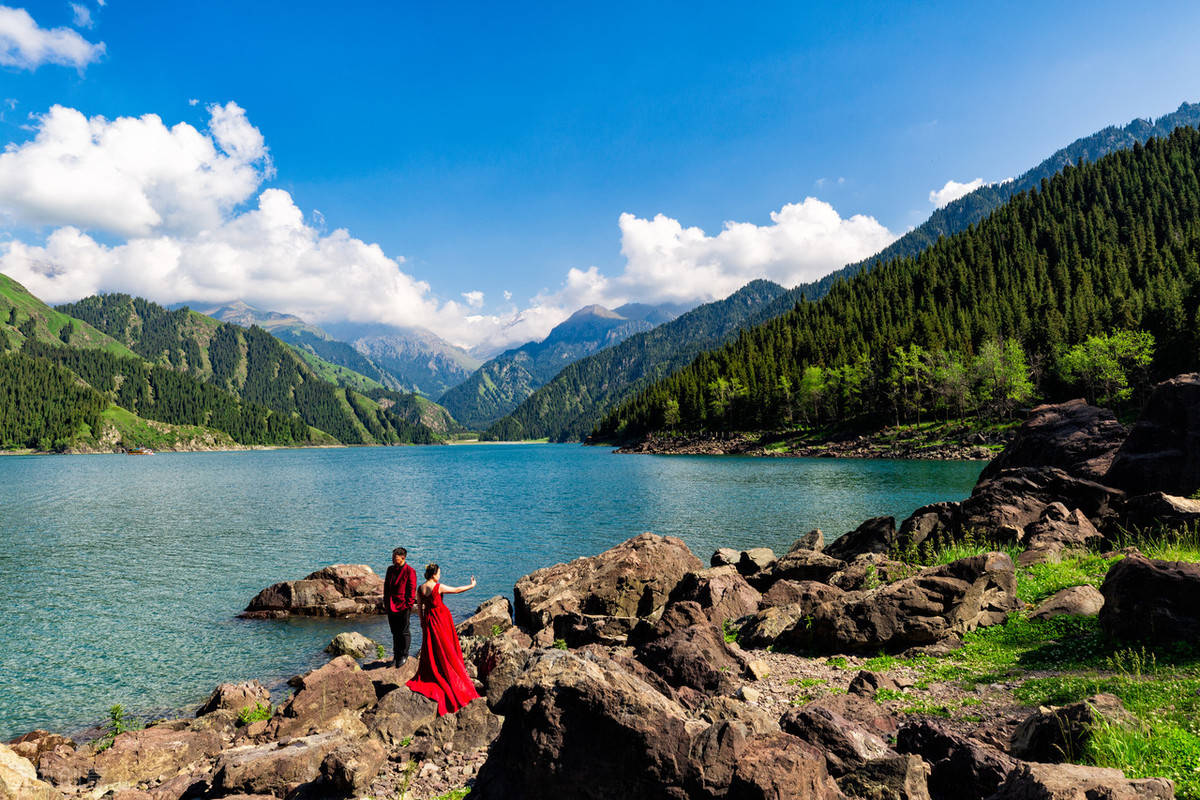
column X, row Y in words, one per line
column 339, row 590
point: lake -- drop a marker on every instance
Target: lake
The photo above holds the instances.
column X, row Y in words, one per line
column 122, row 577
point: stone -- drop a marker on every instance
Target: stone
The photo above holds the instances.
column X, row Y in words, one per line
column 692, row 655
column 778, row 766
column 65, row 766
column 1162, row 452
column 350, row 768
column 1158, row 509
column 1058, row 530
column 473, row 726
column 749, row 694
column 398, row 715
column 876, row 535
column 755, row 560
column 868, row 571
column 767, row 626
column 340, row 590
column 322, row 696
column 153, row 754
column 492, row 618
column 234, row 697
column 1080, row 601
column 724, row 556
column 868, row 684
column 19, row 779
column 936, row 603
column 1151, row 600
column 846, row 746
column 274, row 768
column 31, row 745
column 893, row 777
column 501, row 661
column 222, row 722
column 721, row 591
column 808, row 593
column 959, row 768
column 1053, row 735
column 1077, row 782
column 1078, row 438
column 632, row 579
column 578, row 629
column 1018, row 496
column 813, row 540
column 385, row 678
column 351, row 644
column 799, row 565
column 934, row 524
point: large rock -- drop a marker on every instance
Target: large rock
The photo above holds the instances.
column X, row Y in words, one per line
column 471, row 727
column 767, row 626
column 578, row 629
column 755, row 560
column 274, row 768
column 1077, row 782
column 868, row 571
column 1151, row 600
column 931, row 525
column 322, row 698
column 799, row 565
column 153, row 754
column 340, row 590
column 492, row 618
column 31, row 745
column 876, row 535
column 1078, row 438
column 813, row 540
column 721, row 591
column 1016, row 498
column 1157, row 509
column 1052, row 735
column 936, row 603
column 1057, row 531
column 1079, row 601
column 1162, row 453
column 960, row 768
column 353, row 644
column 632, row 579
column 398, row 715
column 234, row 697
column 19, row 780
column 778, row 766
column 893, row 777
column 349, row 769
column 846, row 746
column 501, row 661
column 688, row 650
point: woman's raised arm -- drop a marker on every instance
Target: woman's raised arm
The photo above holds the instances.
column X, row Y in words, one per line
column 456, row 589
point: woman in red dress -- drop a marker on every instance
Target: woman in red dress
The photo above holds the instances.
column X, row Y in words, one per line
column 441, row 675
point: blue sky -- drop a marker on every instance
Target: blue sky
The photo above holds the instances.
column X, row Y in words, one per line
column 494, row 148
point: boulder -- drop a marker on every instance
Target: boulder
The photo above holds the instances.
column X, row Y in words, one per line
column 340, row 590
column 725, row 556
column 1151, row 600
column 19, row 780
column 234, row 697
column 755, row 560
column 1017, row 497
column 1078, row 438
column 846, row 746
column 492, row 618
column 398, row 715
column 893, row 777
column 501, row 661
column 471, row 727
column 799, row 565
column 721, row 591
column 1077, row 782
column 1058, row 530
column 959, row 768
column 1157, row 509
column 935, row 524
column 1080, row 601
column 386, row 678
column 153, row 754
column 868, row 684
column 322, row 696
column 351, row 767
column 578, row 629
column 31, row 745
column 868, row 571
column 765, row 627
column 1053, row 735
column 275, row 768
column 632, row 579
column 692, row 654
column 936, row 603
column 1162, row 452
column 813, row 540
column 778, row 766
column 876, row 535
column 351, row 644
column 65, row 765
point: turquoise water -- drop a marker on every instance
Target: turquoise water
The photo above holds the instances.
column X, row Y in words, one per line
column 122, row 576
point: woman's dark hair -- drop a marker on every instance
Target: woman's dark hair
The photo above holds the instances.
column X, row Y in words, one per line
column 430, row 570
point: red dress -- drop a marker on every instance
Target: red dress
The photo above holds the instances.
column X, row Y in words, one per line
column 441, row 675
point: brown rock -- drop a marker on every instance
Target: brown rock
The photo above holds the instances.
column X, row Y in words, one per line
column 1082, row 601
column 868, row 684
column 813, row 540
column 234, row 697
column 322, row 696
column 336, row 591
column 578, row 629
column 1076, row 437
column 65, row 766
column 876, row 535
column 1058, row 530
column 19, row 780
column 353, row 644
column 501, row 661
column 31, row 745
column 694, row 655
column 934, row 524
column 1018, row 496
column 351, row 767
column 153, row 754
column 800, row 565
column 274, row 768
column 721, row 591
column 471, row 727
column 846, row 746
column 492, row 618
column 1151, row 600
column 755, row 560
column 398, row 715
column 632, row 579
column 724, row 556
column 893, row 777
column 1077, row 782
column 1162, row 453
column 776, row 767
column 868, row 571
column 960, row 768
column 1158, row 509
column 1053, row 735
column 809, row 593
column 767, row 626
column 386, row 678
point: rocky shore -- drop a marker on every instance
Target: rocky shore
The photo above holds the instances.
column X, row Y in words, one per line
column 872, row 666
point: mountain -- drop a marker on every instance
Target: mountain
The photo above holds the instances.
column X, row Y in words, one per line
column 247, row 363
column 1070, row 278
column 420, row 360
column 498, row 386
column 568, row 406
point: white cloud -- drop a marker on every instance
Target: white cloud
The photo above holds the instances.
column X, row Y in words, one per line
column 193, row 102
column 26, row 46
column 507, row 295
column 474, row 299
column 83, row 15
column 952, row 191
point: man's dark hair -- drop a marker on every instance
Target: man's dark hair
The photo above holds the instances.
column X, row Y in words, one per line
column 400, row 551
column 430, row 570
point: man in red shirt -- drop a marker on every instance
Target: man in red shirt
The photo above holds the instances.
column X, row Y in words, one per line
column 399, row 596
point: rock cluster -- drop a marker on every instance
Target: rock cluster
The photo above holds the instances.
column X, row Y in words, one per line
column 340, row 590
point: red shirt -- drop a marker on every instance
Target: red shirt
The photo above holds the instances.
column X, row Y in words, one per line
column 399, row 588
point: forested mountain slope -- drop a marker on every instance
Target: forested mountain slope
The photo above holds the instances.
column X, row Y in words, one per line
column 567, row 407
column 1107, row 247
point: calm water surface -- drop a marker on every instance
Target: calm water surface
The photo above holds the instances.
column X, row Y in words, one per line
column 121, row 577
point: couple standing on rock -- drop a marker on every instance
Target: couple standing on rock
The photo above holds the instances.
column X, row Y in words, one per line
column 441, row 675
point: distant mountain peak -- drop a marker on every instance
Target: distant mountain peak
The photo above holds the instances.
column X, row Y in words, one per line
column 594, row 310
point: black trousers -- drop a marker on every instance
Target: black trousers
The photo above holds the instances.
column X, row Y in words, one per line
column 401, row 637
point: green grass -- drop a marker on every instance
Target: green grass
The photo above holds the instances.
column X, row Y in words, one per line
column 134, row 431
column 1039, row 581
column 456, row 794
column 255, row 713
column 729, row 631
